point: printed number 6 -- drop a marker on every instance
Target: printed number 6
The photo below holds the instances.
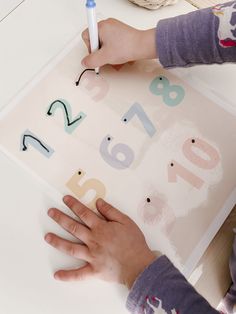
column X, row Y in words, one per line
column 113, row 158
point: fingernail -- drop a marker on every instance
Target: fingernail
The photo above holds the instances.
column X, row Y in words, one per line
column 66, row 198
column 56, row 276
column 48, row 238
column 51, row 212
column 100, row 202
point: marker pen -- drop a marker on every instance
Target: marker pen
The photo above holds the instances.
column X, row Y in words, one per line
column 93, row 27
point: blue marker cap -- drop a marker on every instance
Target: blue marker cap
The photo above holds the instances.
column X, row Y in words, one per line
column 90, row 4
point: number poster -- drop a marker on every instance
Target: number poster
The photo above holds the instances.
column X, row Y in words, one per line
column 137, row 136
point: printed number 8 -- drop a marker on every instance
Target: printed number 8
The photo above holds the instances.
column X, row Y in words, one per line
column 160, row 86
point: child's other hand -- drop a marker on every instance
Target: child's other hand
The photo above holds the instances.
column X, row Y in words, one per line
column 113, row 247
column 120, row 43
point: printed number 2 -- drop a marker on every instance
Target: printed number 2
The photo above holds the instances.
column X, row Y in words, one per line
column 70, row 125
column 29, row 138
column 160, row 86
column 136, row 109
column 81, row 190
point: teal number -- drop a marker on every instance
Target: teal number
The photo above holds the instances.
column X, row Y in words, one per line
column 160, row 86
column 70, row 125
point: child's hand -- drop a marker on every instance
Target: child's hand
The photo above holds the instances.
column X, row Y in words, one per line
column 113, row 247
column 120, row 43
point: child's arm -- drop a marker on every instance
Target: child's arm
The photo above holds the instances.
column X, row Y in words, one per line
column 200, row 37
column 115, row 249
column 162, row 287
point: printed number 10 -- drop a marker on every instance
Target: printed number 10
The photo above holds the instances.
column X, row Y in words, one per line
column 175, row 169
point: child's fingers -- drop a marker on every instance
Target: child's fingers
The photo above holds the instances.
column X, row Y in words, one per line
column 109, row 212
column 84, row 213
column 85, row 36
column 73, row 249
column 96, row 59
column 74, row 274
column 78, row 230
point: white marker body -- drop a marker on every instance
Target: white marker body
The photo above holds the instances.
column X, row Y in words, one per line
column 93, row 31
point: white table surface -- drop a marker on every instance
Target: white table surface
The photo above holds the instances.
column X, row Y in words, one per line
column 31, row 36
column 8, row 6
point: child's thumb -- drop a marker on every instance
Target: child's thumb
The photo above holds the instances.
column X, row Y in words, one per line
column 95, row 59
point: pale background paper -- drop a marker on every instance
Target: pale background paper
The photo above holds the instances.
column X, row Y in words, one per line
column 105, row 103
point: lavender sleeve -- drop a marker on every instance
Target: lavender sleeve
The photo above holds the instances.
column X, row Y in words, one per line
column 200, row 37
column 161, row 288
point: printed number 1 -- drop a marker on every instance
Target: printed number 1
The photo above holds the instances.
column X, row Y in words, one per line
column 28, row 138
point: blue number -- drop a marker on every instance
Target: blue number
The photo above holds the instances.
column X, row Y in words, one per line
column 136, row 109
column 28, row 138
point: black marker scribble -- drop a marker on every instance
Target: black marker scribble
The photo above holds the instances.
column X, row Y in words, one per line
column 66, row 112
column 77, row 83
column 34, row 138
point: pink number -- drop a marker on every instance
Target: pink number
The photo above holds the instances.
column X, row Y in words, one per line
column 154, row 210
column 175, row 169
column 96, row 82
column 199, row 161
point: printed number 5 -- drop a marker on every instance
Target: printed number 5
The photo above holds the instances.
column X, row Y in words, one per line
column 81, row 190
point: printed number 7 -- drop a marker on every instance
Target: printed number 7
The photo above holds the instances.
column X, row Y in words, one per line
column 136, row 109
